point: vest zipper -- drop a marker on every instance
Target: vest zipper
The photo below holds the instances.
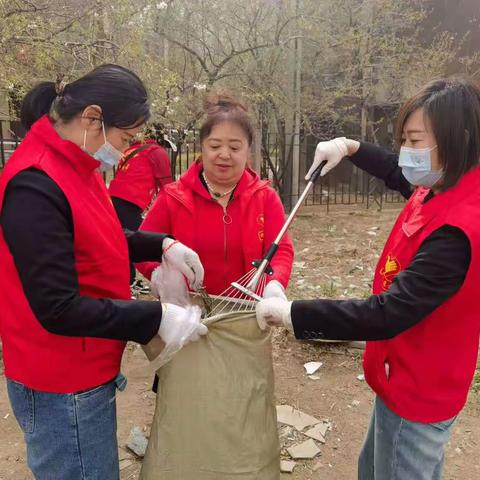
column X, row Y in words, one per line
column 227, row 220
column 224, row 231
column 224, row 244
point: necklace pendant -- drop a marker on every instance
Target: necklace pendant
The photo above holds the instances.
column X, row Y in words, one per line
column 213, row 193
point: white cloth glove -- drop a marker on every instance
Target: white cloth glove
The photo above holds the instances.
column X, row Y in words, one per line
column 274, row 312
column 180, row 326
column 274, row 289
column 332, row 151
column 185, row 260
column 169, row 286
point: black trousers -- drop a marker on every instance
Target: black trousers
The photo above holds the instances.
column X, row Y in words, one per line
column 130, row 216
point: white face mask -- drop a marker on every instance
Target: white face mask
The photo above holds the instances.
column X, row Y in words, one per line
column 107, row 154
column 416, row 166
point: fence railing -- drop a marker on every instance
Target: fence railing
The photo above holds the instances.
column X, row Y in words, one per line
column 345, row 185
column 8, row 142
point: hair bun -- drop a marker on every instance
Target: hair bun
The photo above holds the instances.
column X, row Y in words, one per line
column 222, row 106
column 222, row 100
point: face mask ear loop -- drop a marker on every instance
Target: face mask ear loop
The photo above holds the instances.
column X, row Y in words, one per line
column 104, row 134
column 85, row 139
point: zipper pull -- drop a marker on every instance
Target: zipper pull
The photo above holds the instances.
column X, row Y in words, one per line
column 227, row 219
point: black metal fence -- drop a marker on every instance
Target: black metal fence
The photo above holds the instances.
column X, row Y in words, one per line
column 345, row 185
column 8, row 141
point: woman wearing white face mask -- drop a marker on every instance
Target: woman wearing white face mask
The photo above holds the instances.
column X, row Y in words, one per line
column 64, row 274
column 422, row 322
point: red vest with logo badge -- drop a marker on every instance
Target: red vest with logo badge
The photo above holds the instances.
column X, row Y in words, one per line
column 33, row 356
column 140, row 175
column 431, row 365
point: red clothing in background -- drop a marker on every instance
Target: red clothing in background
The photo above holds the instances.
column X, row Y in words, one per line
column 139, row 177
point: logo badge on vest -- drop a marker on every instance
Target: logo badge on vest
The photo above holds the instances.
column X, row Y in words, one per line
column 388, row 272
column 261, row 222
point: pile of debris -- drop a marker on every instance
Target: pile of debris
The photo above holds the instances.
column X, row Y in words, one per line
column 300, row 434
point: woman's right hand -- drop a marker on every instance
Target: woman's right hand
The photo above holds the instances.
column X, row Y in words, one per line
column 180, row 326
column 332, row 151
column 274, row 312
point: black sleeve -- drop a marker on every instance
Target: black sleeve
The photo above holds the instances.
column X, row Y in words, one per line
column 435, row 274
column 382, row 164
column 37, row 226
column 145, row 246
column 142, row 246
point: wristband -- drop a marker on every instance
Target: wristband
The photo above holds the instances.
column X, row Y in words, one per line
column 170, row 246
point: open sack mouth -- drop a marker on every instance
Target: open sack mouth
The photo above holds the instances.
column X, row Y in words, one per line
column 215, row 307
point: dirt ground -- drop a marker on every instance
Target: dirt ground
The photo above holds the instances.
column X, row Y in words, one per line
column 336, row 255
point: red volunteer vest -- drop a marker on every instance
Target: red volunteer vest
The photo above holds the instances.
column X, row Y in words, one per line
column 431, row 365
column 136, row 178
column 33, row 356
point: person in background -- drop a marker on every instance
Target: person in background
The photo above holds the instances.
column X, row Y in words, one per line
column 142, row 171
column 422, row 323
column 64, row 273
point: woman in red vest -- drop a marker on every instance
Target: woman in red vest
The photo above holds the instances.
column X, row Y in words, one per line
column 422, row 322
column 64, row 274
column 143, row 170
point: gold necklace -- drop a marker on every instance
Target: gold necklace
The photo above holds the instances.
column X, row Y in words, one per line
column 214, row 193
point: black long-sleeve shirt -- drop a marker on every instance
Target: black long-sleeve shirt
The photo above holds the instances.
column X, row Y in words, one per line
column 435, row 274
column 37, row 225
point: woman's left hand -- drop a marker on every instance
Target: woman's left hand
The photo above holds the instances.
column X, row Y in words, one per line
column 185, row 260
column 169, row 285
column 274, row 289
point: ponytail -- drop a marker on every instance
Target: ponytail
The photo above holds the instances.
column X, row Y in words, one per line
column 37, row 103
column 116, row 90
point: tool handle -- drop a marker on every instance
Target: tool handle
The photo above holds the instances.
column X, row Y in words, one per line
column 304, row 194
column 317, row 172
column 274, row 246
column 271, row 251
column 252, row 285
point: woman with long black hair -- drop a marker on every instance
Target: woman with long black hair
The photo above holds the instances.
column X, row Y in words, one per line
column 64, row 274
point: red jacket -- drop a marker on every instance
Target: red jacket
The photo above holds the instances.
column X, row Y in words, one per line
column 187, row 211
column 431, row 365
column 33, row 356
column 139, row 178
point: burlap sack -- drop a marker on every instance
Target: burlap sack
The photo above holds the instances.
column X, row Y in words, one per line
column 215, row 415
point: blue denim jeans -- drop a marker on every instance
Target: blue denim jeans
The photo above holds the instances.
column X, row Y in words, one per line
column 398, row 449
column 69, row 436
